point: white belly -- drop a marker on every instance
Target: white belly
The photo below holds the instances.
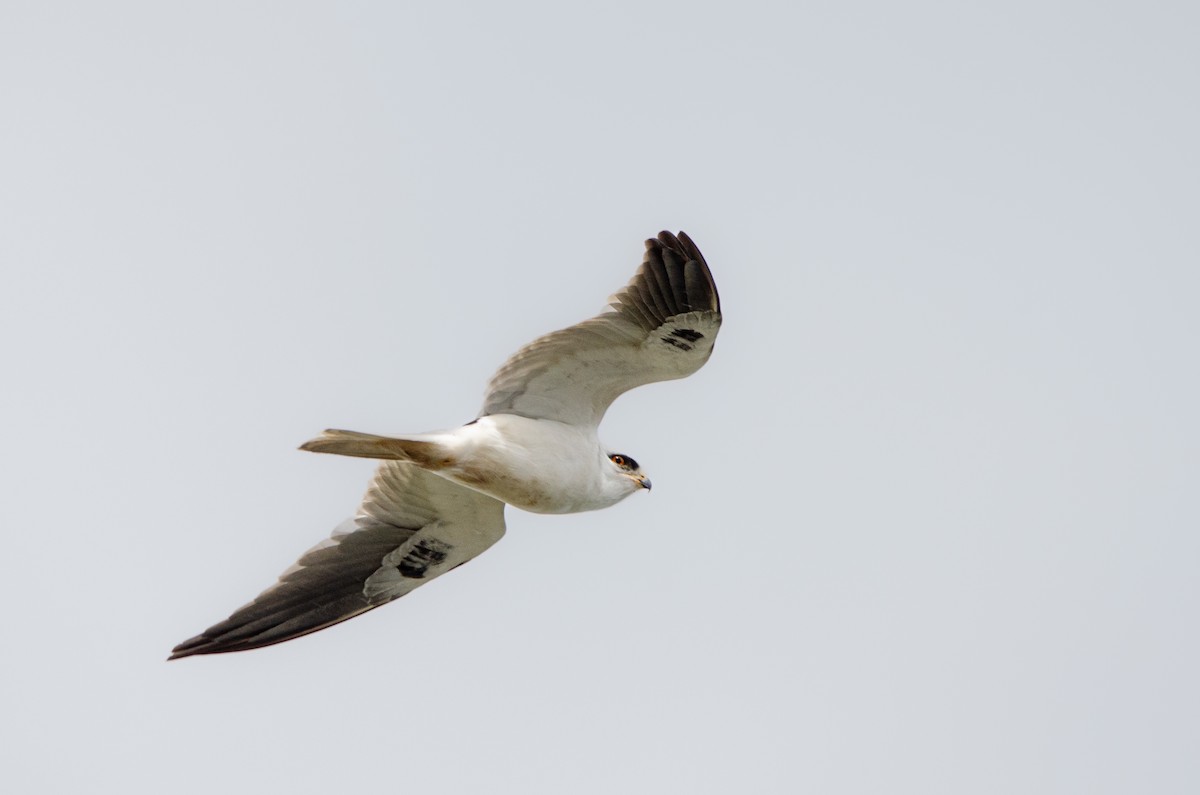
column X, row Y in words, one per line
column 536, row 465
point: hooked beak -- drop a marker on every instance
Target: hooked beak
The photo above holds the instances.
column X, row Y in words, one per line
column 644, row 482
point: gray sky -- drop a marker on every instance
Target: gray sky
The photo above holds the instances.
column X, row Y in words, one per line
column 926, row 523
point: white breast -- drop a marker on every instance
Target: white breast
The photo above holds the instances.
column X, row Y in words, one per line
column 541, row 466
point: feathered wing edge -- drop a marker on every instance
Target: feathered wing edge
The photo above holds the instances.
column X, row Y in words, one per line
column 674, row 279
column 412, row 527
column 661, row 325
column 325, row 587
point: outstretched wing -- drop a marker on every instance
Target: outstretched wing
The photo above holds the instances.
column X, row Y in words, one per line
column 661, row 326
column 411, row 527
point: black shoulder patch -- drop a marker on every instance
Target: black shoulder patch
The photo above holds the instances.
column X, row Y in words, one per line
column 689, row 334
column 428, row 552
column 682, row 338
column 683, row 346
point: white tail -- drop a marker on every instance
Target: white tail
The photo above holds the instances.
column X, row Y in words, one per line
column 368, row 445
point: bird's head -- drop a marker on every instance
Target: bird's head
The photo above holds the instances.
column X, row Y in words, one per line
column 627, row 469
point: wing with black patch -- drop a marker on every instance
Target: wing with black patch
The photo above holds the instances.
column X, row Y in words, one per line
column 661, row 326
column 412, row 526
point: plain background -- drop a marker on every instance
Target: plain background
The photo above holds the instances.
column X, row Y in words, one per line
column 926, row 523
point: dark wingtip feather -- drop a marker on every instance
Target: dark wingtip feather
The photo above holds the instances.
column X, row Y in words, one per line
column 297, row 627
column 682, row 272
column 192, row 647
column 326, row 589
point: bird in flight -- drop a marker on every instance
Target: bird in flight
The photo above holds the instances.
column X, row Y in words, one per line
column 438, row 499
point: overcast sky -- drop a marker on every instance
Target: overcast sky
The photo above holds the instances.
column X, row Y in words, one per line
column 926, row 523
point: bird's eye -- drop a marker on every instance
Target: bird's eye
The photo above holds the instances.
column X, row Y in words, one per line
column 619, row 460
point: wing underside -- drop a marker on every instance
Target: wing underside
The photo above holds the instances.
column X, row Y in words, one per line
column 661, row 326
column 412, row 526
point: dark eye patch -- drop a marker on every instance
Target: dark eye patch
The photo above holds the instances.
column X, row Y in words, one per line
column 626, row 461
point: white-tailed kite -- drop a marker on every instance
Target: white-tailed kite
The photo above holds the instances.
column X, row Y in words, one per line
column 438, row 498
